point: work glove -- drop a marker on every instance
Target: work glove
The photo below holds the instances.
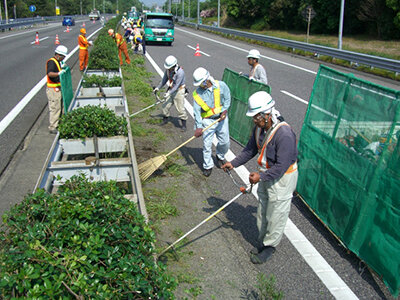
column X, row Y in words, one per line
column 155, row 90
column 61, row 72
column 240, row 73
column 63, row 64
column 198, row 132
column 223, row 115
column 90, row 43
column 166, row 95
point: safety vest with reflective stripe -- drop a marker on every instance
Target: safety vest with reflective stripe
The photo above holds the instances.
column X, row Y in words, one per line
column 51, row 83
column 137, row 36
column 119, row 40
column 83, row 43
column 208, row 111
column 262, row 159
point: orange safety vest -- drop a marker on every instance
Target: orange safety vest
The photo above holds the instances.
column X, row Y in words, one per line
column 119, row 40
column 208, row 111
column 262, row 159
column 51, row 83
column 83, row 43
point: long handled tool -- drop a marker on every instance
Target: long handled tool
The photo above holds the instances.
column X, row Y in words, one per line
column 208, row 218
column 148, row 167
column 150, row 106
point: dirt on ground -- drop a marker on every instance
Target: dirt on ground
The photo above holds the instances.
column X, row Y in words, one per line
column 210, row 263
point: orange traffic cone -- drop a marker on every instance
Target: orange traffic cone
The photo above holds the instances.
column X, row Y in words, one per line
column 197, row 53
column 57, row 42
column 37, row 39
column 67, row 28
column 83, row 25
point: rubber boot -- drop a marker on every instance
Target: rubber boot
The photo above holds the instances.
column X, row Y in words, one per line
column 183, row 128
column 164, row 121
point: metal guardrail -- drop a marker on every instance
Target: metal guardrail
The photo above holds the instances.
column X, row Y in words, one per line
column 21, row 24
column 354, row 57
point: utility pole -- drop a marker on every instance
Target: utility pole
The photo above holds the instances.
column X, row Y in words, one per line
column 308, row 22
column 1, row 18
column 341, row 25
column 183, row 10
column 198, row 11
column 169, row 10
column 15, row 11
column 189, row 11
column 219, row 4
column 5, row 10
column 104, row 10
column 80, row 4
column 94, row 4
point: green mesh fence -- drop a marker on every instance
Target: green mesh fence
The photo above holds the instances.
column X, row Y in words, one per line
column 349, row 167
column 66, row 88
column 240, row 126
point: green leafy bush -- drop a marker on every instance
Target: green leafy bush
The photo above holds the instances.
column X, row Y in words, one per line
column 87, row 241
column 104, row 54
column 91, row 120
column 103, row 81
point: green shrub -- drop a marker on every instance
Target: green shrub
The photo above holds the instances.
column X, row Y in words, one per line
column 91, row 120
column 103, row 81
column 86, row 241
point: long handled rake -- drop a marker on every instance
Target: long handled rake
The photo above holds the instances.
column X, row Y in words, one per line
column 150, row 106
column 242, row 191
column 148, row 167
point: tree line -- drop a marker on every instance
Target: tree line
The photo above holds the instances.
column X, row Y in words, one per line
column 375, row 18
column 67, row 7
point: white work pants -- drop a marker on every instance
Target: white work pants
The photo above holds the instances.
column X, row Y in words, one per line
column 177, row 98
column 54, row 98
column 274, row 199
column 221, row 131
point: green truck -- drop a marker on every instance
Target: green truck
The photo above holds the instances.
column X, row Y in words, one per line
column 159, row 28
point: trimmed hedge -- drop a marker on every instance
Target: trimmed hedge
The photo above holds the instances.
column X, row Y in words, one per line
column 86, row 241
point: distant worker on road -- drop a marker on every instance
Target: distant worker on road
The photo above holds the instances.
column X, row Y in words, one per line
column 175, row 77
column 212, row 99
column 83, row 50
column 257, row 71
column 138, row 41
column 275, row 144
column 121, row 44
column 53, row 90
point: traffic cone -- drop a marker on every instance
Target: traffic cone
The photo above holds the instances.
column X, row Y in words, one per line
column 197, row 53
column 37, row 39
column 67, row 28
column 83, row 25
column 94, row 21
column 57, row 42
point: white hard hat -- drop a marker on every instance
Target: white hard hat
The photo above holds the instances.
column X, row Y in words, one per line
column 199, row 75
column 170, row 61
column 260, row 102
column 253, row 53
column 62, row 50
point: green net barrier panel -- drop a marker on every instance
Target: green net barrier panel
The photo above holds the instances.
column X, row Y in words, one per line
column 349, row 167
column 66, row 88
column 240, row 126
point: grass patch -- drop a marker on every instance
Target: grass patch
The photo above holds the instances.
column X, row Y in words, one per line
column 139, row 130
column 160, row 203
column 174, row 169
column 267, row 289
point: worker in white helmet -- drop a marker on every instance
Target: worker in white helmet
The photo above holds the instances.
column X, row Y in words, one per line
column 275, row 144
column 174, row 76
column 212, row 99
column 257, row 71
column 53, row 90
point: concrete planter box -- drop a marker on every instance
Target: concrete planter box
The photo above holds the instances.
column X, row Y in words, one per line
column 95, row 92
column 114, row 103
column 105, row 145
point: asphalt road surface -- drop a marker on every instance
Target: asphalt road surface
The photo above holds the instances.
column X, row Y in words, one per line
column 22, row 66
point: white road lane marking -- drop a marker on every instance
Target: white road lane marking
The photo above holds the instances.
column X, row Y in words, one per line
column 194, row 48
column 336, row 286
column 245, row 50
column 6, row 121
column 42, row 39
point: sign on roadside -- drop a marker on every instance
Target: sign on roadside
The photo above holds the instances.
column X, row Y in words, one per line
column 32, row 8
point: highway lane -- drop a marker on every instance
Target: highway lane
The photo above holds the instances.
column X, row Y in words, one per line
column 288, row 75
column 22, row 67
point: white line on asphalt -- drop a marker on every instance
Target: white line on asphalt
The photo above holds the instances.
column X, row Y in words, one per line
column 295, row 97
column 35, row 30
column 45, row 38
column 28, row 97
column 337, row 287
column 244, row 50
column 199, row 50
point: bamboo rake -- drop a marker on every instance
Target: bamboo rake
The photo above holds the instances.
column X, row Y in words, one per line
column 148, row 167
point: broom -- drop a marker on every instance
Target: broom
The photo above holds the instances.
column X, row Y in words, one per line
column 148, row 167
